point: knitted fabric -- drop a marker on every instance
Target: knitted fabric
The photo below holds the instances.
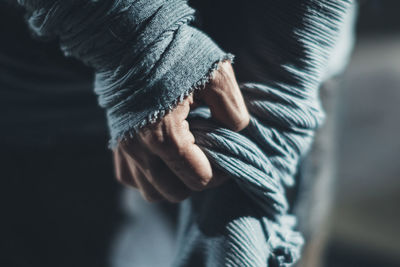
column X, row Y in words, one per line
column 148, row 57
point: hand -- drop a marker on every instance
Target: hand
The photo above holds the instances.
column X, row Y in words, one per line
column 163, row 160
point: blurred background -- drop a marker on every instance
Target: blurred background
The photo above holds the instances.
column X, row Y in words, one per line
column 365, row 223
column 366, row 218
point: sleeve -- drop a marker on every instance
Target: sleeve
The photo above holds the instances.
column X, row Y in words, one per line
column 283, row 62
column 146, row 55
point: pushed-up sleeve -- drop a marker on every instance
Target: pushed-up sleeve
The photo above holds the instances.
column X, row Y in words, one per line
column 146, row 55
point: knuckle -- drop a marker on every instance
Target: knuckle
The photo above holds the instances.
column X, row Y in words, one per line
column 157, row 138
column 152, row 135
column 166, row 143
column 222, row 75
column 220, row 91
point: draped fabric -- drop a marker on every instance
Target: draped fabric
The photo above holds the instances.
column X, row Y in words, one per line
column 148, row 57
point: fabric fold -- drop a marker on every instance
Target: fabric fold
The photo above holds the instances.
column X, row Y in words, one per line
column 148, row 57
column 146, row 54
column 246, row 222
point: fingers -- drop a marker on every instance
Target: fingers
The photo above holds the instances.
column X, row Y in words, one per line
column 225, row 100
column 171, row 176
column 147, row 166
column 128, row 174
column 147, row 189
column 122, row 172
column 163, row 160
column 173, row 142
column 136, row 176
column 218, row 178
column 166, row 182
column 191, row 165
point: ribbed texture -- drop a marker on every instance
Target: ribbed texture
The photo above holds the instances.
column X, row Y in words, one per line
column 148, row 59
column 254, row 228
column 146, row 55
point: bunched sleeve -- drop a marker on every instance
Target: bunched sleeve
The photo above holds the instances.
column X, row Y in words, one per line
column 146, row 55
column 147, row 58
column 283, row 51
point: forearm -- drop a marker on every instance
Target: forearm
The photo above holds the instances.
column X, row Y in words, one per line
column 296, row 42
column 146, row 55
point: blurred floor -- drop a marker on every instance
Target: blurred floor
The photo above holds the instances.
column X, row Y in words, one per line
column 366, row 217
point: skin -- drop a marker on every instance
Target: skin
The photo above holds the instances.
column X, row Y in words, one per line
column 163, row 161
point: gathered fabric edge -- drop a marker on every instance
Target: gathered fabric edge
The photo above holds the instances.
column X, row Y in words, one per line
column 158, row 114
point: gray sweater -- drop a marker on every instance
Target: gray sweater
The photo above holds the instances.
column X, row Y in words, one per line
column 147, row 57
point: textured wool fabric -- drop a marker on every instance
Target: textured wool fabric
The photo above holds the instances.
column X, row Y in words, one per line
column 146, row 55
column 148, row 58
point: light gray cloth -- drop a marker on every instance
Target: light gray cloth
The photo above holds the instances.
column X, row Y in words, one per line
column 148, row 58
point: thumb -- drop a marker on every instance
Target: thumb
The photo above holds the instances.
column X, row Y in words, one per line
column 224, row 98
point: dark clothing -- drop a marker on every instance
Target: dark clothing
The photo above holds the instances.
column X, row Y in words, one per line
column 59, row 206
column 45, row 98
column 59, row 198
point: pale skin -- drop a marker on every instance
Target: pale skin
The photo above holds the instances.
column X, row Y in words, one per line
column 163, row 161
